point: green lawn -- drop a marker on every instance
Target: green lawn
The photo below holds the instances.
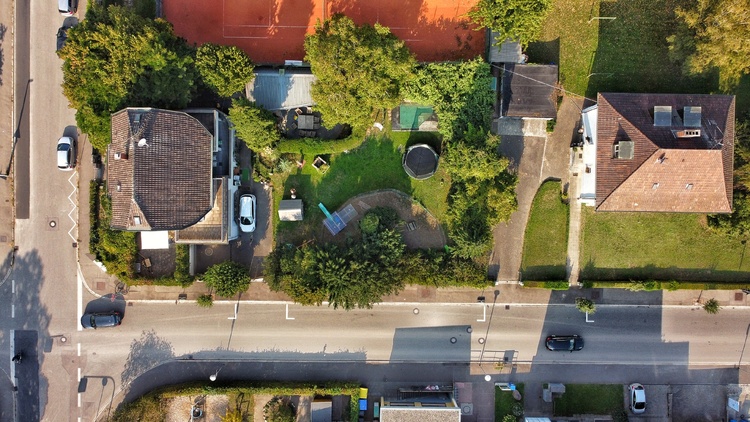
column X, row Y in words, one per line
column 545, row 247
column 626, row 54
column 376, row 164
column 504, row 401
column 593, row 399
column 642, row 246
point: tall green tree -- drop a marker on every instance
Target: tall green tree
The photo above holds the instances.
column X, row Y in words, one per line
column 115, row 58
column 254, row 125
column 358, row 68
column 226, row 69
column 460, row 92
column 715, row 35
column 227, row 278
column 519, row 20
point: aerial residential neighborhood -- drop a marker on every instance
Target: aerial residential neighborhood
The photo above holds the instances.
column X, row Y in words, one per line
column 347, row 210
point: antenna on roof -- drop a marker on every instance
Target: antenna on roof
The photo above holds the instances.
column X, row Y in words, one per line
column 143, row 142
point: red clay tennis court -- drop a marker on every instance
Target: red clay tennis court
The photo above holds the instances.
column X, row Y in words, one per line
column 272, row 31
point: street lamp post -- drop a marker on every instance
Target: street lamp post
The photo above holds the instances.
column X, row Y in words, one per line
column 215, row 374
column 487, row 377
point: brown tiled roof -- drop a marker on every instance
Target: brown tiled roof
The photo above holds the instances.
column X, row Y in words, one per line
column 167, row 183
column 666, row 173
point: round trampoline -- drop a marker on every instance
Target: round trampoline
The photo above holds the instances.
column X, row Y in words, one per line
column 420, row 161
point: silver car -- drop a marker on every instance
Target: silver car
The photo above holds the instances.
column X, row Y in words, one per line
column 66, row 153
column 247, row 213
column 637, row 398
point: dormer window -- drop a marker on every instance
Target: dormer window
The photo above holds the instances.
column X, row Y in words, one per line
column 623, row 150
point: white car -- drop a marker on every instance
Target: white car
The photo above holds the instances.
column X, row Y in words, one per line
column 67, row 7
column 637, row 398
column 66, row 153
column 247, row 213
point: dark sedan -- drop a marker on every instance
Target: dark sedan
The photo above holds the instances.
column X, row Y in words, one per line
column 101, row 319
column 564, row 343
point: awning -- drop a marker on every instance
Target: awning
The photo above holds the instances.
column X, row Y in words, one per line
column 155, row 240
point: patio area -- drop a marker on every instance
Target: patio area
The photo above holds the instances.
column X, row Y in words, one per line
column 304, row 122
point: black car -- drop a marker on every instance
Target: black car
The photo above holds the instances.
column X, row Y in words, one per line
column 101, row 319
column 564, row 343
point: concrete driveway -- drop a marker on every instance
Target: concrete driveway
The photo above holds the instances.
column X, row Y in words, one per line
column 535, row 159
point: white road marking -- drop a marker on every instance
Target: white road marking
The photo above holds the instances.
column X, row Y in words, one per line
column 79, row 349
column 484, row 314
column 80, row 299
column 73, row 212
column 13, row 286
column 236, row 308
column 287, row 312
column 12, row 310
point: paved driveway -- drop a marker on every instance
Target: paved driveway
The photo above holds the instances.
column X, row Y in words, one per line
column 535, row 159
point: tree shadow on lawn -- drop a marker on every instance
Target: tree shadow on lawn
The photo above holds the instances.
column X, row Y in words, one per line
column 652, row 272
column 544, row 273
column 632, row 54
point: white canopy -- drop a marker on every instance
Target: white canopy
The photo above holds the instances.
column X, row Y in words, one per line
column 155, row 240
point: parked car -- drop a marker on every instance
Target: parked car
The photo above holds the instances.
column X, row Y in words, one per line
column 62, row 36
column 637, row 398
column 67, row 7
column 101, row 319
column 66, row 153
column 247, row 213
column 564, row 343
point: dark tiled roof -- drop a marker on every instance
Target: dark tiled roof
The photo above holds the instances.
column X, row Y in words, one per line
column 666, row 173
column 165, row 183
column 528, row 91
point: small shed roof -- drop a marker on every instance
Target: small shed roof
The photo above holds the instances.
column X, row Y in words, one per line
column 528, row 91
column 281, row 89
column 291, row 210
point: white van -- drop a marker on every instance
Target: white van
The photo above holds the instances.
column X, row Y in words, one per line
column 67, row 7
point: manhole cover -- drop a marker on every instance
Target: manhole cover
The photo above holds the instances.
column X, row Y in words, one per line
column 481, row 340
column 739, row 296
column 52, row 223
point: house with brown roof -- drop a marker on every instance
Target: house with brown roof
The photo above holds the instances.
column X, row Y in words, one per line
column 658, row 153
column 170, row 171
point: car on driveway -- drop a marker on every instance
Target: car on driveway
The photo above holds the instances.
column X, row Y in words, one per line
column 247, row 213
column 564, row 343
column 67, row 7
column 66, row 153
column 101, row 319
column 637, row 398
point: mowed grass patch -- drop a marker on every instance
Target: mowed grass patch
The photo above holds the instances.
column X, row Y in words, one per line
column 569, row 41
column 375, row 165
column 504, row 402
column 545, row 247
column 660, row 246
column 595, row 399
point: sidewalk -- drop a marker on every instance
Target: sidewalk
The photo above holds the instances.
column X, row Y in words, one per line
column 7, row 129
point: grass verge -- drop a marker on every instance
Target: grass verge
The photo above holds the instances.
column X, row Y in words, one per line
column 594, row 399
column 545, row 247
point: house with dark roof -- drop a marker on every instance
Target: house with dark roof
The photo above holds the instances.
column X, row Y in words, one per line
column 281, row 89
column 170, row 171
column 658, row 153
column 527, row 91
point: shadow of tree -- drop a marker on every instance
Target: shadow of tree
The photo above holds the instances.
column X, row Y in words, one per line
column 34, row 317
column 3, row 30
column 145, row 353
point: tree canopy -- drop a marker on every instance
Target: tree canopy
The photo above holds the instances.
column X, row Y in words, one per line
column 226, row 69
column 460, row 92
column 358, row 68
column 254, row 125
column 482, row 191
column 715, row 36
column 116, row 58
column 227, row 278
column 519, row 20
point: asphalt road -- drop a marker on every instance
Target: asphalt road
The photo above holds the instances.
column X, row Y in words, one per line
column 655, row 345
